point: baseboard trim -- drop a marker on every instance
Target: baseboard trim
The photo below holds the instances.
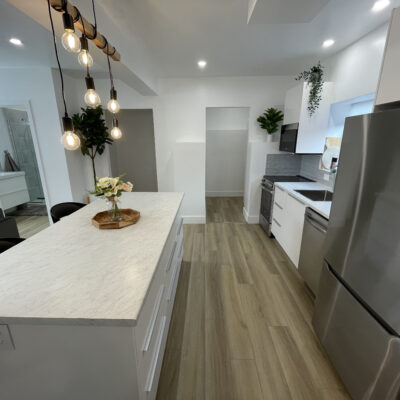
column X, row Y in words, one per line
column 224, row 194
column 250, row 219
column 194, row 219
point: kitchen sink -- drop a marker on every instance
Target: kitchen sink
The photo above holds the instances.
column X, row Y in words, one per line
column 316, row 195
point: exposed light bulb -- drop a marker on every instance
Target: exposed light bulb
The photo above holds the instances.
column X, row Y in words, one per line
column 202, row 64
column 85, row 59
column 92, row 98
column 116, row 133
column 69, row 40
column 113, row 105
column 69, row 139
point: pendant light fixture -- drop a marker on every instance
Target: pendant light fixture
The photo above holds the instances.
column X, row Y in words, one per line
column 115, row 131
column 69, row 40
column 84, row 57
column 112, row 105
column 92, row 98
column 70, row 140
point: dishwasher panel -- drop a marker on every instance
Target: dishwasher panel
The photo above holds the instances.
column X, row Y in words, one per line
column 312, row 248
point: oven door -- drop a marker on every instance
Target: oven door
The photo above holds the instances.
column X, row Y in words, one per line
column 267, row 201
column 289, row 138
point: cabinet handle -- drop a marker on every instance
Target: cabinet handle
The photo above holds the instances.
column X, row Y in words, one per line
column 277, row 222
column 153, row 318
column 171, row 256
column 294, row 197
column 279, row 206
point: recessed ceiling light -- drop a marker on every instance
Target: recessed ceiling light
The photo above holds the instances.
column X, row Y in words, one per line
column 202, row 64
column 380, row 5
column 15, row 42
column 328, row 43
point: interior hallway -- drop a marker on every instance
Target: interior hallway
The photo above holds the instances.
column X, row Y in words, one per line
column 241, row 324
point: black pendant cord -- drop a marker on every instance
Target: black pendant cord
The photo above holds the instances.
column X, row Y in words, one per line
column 109, row 67
column 58, row 60
column 95, row 19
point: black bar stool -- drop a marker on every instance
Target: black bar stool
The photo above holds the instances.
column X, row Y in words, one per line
column 61, row 210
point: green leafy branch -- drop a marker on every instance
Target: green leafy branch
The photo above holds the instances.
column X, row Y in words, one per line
column 270, row 120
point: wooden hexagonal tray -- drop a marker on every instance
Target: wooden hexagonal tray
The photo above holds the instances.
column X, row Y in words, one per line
column 130, row 217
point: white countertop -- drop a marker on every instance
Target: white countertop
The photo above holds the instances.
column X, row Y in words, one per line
column 8, row 175
column 322, row 207
column 73, row 273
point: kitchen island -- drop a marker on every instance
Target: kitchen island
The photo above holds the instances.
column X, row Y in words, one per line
column 84, row 313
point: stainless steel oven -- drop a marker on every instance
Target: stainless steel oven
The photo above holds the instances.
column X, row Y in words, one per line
column 267, row 202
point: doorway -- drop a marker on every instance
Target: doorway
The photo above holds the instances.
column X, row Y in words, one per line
column 226, row 155
column 21, row 190
column 134, row 155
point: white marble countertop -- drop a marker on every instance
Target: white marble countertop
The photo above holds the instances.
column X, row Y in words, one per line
column 322, row 207
column 73, row 273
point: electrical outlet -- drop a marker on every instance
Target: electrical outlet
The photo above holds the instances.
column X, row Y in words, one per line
column 326, row 177
column 6, row 342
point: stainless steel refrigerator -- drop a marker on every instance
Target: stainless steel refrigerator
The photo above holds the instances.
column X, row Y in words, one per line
column 357, row 313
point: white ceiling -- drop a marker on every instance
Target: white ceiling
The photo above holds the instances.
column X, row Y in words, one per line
column 170, row 36
column 284, row 11
column 180, row 32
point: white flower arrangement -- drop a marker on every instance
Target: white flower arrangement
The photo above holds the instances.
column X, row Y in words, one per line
column 111, row 188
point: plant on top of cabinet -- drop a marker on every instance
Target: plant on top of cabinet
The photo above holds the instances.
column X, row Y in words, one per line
column 93, row 132
column 314, row 77
column 270, row 120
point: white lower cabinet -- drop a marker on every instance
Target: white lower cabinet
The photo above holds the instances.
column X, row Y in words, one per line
column 287, row 223
column 151, row 330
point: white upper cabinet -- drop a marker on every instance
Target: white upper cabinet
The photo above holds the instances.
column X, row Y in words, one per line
column 389, row 83
column 312, row 130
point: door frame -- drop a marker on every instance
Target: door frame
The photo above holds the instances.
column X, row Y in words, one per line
column 27, row 105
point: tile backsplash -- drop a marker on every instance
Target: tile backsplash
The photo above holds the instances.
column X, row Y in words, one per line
column 297, row 164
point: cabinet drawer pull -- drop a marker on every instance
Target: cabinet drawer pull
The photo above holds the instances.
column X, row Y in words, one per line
column 156, row 354
column 171, row 256
column 277, row 222
column 294, row 197
column 279, row 206
column 180, row 227
column 173, row 278
column 153, row 319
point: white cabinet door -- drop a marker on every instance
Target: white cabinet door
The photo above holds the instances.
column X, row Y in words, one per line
column 295, row 210
column 293, row 102
column 312, row 130
column 389, row 84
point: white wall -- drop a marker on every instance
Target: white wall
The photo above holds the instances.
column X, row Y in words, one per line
column 355, row 70
column 18, row 86
column 180, row 121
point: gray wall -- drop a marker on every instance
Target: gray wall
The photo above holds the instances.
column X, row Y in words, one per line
column 134, row 154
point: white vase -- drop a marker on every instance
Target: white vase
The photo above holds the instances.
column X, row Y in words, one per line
column 269, row 138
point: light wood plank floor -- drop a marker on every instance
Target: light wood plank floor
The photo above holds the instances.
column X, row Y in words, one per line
column 29, row 226
column 241, row 325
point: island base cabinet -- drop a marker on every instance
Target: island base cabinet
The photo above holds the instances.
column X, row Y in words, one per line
column 98, row 360
column 69, row 362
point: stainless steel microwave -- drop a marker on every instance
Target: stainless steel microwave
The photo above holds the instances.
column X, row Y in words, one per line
column 289, row 138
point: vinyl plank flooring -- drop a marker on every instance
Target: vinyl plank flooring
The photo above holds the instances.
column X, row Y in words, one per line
column 31, row 225
column 241, row 325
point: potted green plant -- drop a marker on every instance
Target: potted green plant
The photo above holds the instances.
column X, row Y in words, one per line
column 270, row 120
column 93, row 132
column 314, row 77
